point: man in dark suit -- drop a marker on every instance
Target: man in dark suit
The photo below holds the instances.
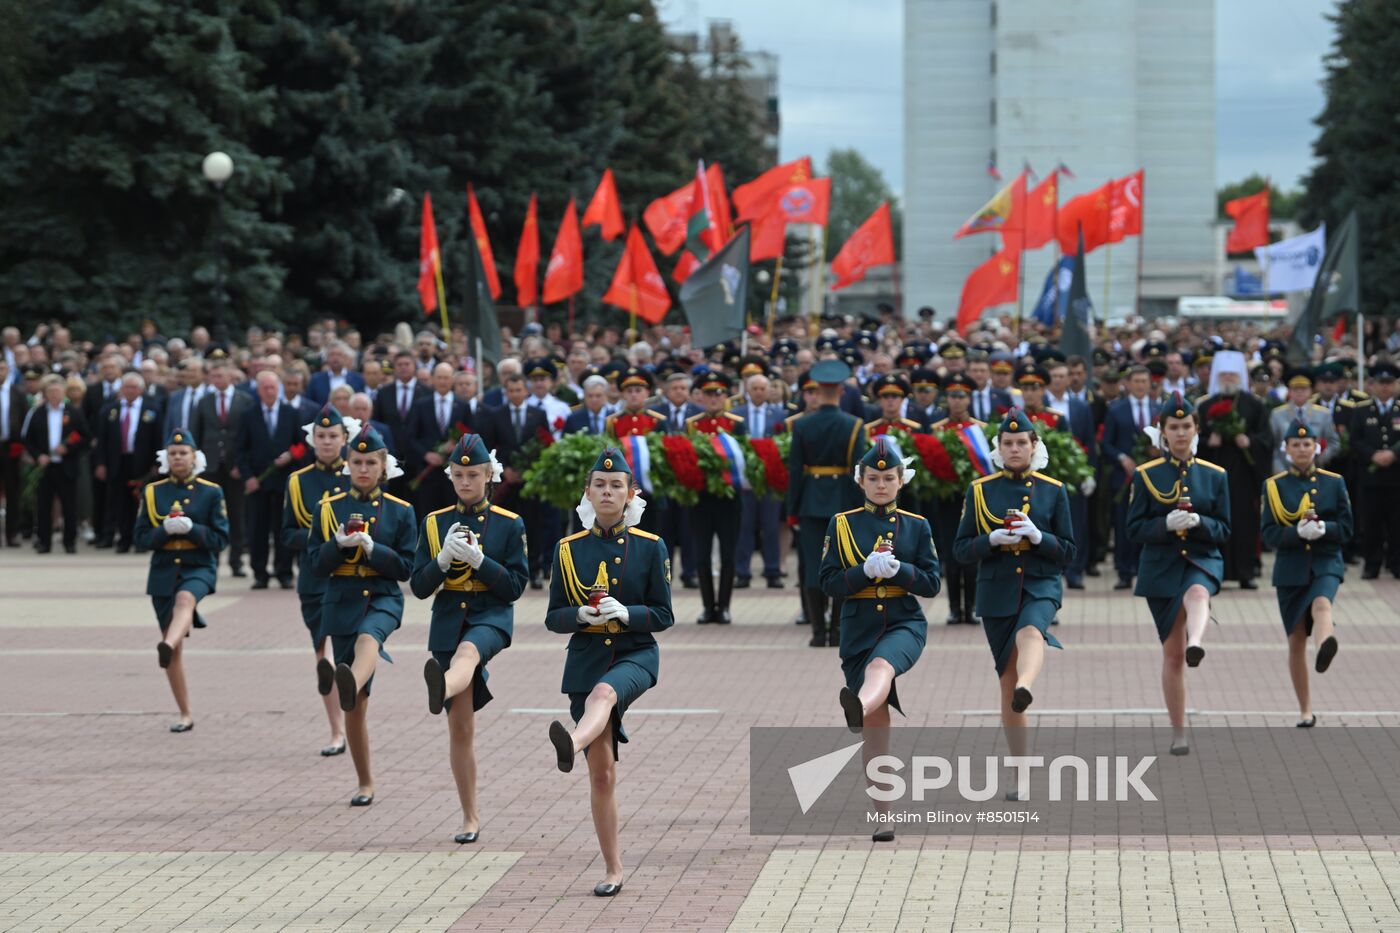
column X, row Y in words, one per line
column 292, row 392
column 179, row 411
column 1082, row 426
column 361, row 407
column 1122, row 432
column 432, row 424
column 759, row 519
column 590, row 417
column 392, row 407
column 55, row 433
column 215, row 427
column 14, row 405
column 988, row 401
column 127, row 435
column 99, row 393
column 265, row 433
column 506, row 430
column 337, row 372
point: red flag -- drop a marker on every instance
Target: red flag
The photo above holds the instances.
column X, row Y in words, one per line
column 1125, row 215
column 605, row 210
column 1089, row 212
column 754, row 199
column 527, row 258
column 1042, row 203
column 684, row 266
column 998, row 213
column 428, row 258
column 721, row 212
column 564, row 274
column 666, row 218
column 636, row 285
column 1251, row 228
column 992, row 283
column 805, row 202
column 768, row 238
column 483, row 242
column 872, row 244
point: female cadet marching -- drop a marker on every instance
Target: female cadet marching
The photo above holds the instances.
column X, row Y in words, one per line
column 472, row 556
column 1016, row 527
column 327, row 435
column 364, row 541
column 879, row 560
column 610, row 590
column 1307, row 521
column 183, row 521
column 1179, row 511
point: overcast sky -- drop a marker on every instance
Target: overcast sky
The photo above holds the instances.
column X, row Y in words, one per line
column 840, row 77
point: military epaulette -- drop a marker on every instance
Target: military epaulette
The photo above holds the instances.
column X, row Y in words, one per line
column 938, row 424
column 1048, row 479
column 504, row 513
column 1277, row 404
column 1361, row 396
column 655, row 414
column 207, row 482
column 450, row 508
column 309, row 466
column 398, row 500
column 731, row 416
column 573, row 537
column 1346, row 403
column 1278, row 474
column 1330, row 473
column 327, row 499
column 1152, row 463
column 574, row 408
column 1213, row 466
column 791, row 418
column 910, row 514
column 852, row 511
column 643, row 534
column 1318, row 407
column 982, row 479
column 910, row 423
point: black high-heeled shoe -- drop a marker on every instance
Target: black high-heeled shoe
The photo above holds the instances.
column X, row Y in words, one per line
column 1020, row 700
column 882, row 835
column 463, row 839
column 1307, row 723
column 1325, row 653
column 437, row 685
column 563, row 746
column 164, row 653
column 325, row 677
column 181, row 726
column 345, row 683
column 606, row 889
column 332, row 750
column 851, row 706
column 1194, row 655
column 361, row 800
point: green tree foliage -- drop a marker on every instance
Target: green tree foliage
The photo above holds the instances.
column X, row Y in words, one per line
column 1358, row 160
column 107, row 217
column 339, row 116
column 14, row 47
column 1283, row 205
column 857, row 188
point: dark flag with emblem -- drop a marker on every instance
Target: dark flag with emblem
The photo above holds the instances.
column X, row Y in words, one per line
column 714, row 296
column 1076, row 333
column 481, row 318
column 1335, row 292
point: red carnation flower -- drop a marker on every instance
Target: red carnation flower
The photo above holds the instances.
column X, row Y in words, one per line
column 74, row 438
column 16, row 450
column 1220, row 409
column 935, row 458
column 680, row 455
column 297, row 450
column 545, row 438
column 774, row 470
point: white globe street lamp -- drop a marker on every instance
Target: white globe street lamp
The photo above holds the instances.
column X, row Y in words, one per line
column 218, row 168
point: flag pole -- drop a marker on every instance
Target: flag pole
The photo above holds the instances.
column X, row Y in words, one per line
column 1142, row 230
column 480, row 372
column 898, row 299
column 773, row 298
column 1107, row 275
column 1021, row 258
column 1360, row 349
column 821, row 274
column 442, row 300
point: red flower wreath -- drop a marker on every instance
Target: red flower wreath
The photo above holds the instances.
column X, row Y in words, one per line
column 680, row 454
column 774, row 470
column 935, row 458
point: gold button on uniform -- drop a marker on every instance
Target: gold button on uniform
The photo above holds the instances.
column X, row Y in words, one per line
column 880, row 592
column 617, row 560
column 366, row 592
column 1018, row 570
column 620, row 541
column 614, row 580
column 1183, row 553
column 177, row 560
column 607, row 641
column 464, row 605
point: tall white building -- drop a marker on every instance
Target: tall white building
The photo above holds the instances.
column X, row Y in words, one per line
column 1105, row 87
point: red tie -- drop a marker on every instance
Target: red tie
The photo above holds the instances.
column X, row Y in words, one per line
column 126, row 427
column 1139, row 405
column 223, row 414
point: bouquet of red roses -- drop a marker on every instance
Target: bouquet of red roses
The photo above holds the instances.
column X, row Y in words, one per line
column 297, row 450
column 1221, row 418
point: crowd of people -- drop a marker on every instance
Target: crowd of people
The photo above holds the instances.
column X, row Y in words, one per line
column 346, row 468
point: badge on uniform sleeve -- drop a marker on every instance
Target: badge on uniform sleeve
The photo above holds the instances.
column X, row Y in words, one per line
column 223, row 507
column 667, row 563
column 826, row 543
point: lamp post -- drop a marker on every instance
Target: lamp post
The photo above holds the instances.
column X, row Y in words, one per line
column 218, row 169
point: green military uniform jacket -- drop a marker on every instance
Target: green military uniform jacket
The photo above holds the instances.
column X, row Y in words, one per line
column 355, row 584
column 1287, row 498
column 636, row 568
column 1167, row 555
column 467, row 596
column 188, row 556
column 305, row 490
column 872, row 604
column 1006, row 575
column 826, row 443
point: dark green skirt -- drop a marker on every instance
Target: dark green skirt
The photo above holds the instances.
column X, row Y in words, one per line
column 1001, row 630
column 489, row 642
column 1164, row 609
column 1295, row 602
column 165, row 605
column 377, row 623
column 629, row 681
column 900, row 645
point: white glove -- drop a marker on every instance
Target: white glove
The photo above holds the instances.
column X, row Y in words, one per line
column 1311, row 531
column 471, row 552
column 587, row 615
column 874, row 565
column 1026, row 529
column 365, row 542
column 344, row 540
column 1001, row 537
column 610, row 608
column 1193, row 519
column 450, row 551
column 1178, row 520
column 177, row 526
column 891, row 565
column 1087, row 487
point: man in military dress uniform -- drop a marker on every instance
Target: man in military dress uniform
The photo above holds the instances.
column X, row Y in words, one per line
column 826, row 445
column 635, row 419
column 890, row 391
column 1376, row 444
column 714, row 517
column 610, row 592
column 1301, row 407
column 306, row 488
column 183, row 521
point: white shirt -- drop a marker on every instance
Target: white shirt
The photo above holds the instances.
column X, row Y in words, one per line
column 55, row 430
column 1142, row 411
column 192, row 396
column 556, row 411
column 1060, row 405
column 5, row 413
column 336, row 381
column 442, row 410
column 109, row 389
column 270, row 419
column 758, row 419
column 131, row 412
column 403, row 395
column 227, row 396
